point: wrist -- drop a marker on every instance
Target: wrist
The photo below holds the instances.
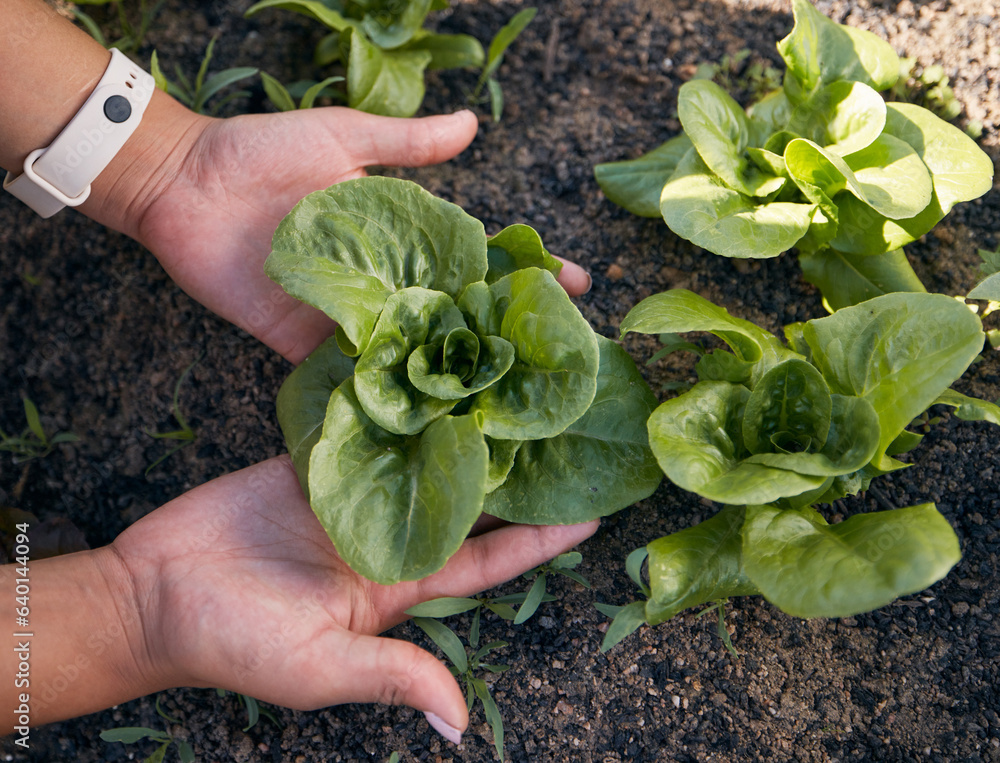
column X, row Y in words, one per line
column 151, row 159
column 132, row 653
column 87, row 641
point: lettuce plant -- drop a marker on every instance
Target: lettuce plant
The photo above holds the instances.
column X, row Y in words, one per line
column 461, row 379
column 771, row 429
column 384, row 48
column 823, row 164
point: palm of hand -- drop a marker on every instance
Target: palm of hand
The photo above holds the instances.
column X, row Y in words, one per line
column 242, row 589
column 211, row 225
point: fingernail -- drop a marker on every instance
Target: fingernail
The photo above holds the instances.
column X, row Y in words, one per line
column 590, row 282
column 446, row 730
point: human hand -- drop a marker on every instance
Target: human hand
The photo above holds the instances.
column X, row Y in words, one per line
column 239, row 587
column 211, row 216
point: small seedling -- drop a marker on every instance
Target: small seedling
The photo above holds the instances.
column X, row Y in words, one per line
column 185, row 435
column 464, row 668
column 719, row 607
column 627, row 618
column 33, row 442
column 196, row 94
column 133, row 734
column 494, row 57
column 757, row 79
column 929, row 87
column 563, row 565
column 130, row 35
column 502, row 606
column 283, row 99
column 254, row 710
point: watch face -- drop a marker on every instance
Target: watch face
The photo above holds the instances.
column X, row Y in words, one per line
column 117, row 108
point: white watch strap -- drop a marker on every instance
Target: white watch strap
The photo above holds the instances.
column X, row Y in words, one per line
column 60, row 175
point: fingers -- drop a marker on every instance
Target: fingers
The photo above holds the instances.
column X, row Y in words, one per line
column 485, row 524
column 396, row 672
column 574, row 279
column 408, row 142
column 497, row 556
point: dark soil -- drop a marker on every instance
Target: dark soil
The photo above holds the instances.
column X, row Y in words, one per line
column 95, row 333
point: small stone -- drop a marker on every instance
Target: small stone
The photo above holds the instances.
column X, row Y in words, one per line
column 615, row 272
column 687, row 71
column 960, row 608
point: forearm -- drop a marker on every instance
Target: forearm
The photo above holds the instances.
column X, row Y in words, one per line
column 79, row 647
column 50, row 68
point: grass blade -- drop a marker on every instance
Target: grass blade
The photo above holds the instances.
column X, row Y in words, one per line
column 446, row 640
column 626, row 622
column 446, row 606
column 531, row 603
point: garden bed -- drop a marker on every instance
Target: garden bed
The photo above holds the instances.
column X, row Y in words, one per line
column 96, row 334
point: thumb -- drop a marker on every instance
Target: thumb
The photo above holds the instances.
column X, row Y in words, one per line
column 419, row 142
column 395, row 672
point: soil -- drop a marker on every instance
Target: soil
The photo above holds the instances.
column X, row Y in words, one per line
column 97, row 335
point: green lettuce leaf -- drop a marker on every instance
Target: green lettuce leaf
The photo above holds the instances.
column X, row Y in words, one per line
column 848, row 279
column 818, row 51
column 385, row 82
column 554, row 375
column 698, row 565
column 314, row 9
column 851, row 442
column 502, row 453
column 467, row 364
column 700, row 207
column 517, row 247
column 959, row 171
column 969, row 408
column 768, row 116
column 302, row 401
column 396, row 507
column 346, row 249
column 888, row 175
column 600, row 464
column 899, row 351
column 809, row 568
column 412, row 319
column 678, row 311
column 843, row 117
column 635, row 184
column 696, row 439
column 788, row 410
column 719, row 129
column 389, row 23
column 988, row 288
column 448, row 51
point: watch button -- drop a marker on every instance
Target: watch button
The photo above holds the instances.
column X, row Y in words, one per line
column 117, row 108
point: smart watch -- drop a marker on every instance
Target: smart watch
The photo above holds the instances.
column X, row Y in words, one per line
column 60, row 174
